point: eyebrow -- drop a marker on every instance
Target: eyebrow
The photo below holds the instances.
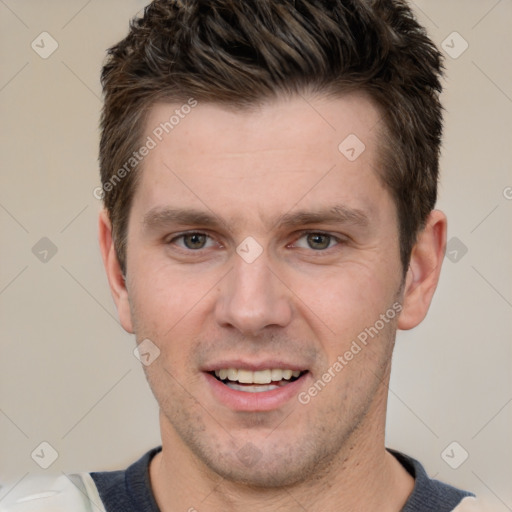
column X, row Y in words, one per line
column 159, row 217
column 338, row 214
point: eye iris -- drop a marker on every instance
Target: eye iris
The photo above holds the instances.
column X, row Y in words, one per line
column 194, row 241
column 318, row 241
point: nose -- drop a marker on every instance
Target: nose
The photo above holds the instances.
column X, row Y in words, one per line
column 252, row 298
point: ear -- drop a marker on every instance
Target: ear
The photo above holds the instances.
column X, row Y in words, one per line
column 115, row 276
column 424, row 270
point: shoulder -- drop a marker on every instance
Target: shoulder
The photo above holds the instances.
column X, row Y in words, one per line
column 114, row 491
column 127, row 490
column 62, row 493
column 430, row 495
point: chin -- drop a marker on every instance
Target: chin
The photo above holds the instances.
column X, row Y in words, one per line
column 263, row 474
column 281, row 463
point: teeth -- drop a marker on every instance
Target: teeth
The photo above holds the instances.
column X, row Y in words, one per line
column 277, row 375
column 258, row 377
column 245, row 377
column 261, row 377
column 287, row 374
column 252, row 389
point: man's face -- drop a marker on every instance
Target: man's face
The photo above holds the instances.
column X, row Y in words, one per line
column 255, row 244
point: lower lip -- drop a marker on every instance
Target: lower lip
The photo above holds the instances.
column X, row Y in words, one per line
column 246, row 401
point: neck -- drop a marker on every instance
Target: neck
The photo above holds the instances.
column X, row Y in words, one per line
column 364, row 477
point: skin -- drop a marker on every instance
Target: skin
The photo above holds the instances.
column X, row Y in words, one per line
column 246, row 170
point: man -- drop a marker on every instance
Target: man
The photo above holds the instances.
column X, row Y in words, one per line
column 269, row 173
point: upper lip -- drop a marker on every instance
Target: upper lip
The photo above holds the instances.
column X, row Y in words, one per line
column 239, row 364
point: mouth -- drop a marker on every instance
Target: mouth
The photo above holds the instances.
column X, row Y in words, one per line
column 259, row 381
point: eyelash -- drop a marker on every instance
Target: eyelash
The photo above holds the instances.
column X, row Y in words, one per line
column 332, row 237
column 181, row 236
column 337, row 239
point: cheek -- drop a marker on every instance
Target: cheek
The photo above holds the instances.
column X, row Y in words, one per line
column 346, row 300
column 166, row 302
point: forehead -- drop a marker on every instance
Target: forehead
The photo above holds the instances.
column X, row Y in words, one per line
column 263, row 160
column 275, row 124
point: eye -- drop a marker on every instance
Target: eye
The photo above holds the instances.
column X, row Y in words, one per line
column 193, row 241
column 316, row 241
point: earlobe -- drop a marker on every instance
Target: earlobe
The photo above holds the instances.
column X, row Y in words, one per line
column 113, row 269
column 424, row 270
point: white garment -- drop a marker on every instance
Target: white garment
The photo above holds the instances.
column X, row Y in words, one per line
column 65, row 493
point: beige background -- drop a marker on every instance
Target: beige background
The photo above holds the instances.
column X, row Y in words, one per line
column 67, row 372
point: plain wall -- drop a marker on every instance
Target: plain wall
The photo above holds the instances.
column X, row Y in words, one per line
column 68, row 375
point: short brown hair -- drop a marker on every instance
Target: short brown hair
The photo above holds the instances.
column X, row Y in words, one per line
column 241, row 53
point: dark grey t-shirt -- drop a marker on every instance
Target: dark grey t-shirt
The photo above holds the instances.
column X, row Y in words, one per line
column 130, row 490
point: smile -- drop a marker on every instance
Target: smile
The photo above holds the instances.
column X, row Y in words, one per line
column 256, row 381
